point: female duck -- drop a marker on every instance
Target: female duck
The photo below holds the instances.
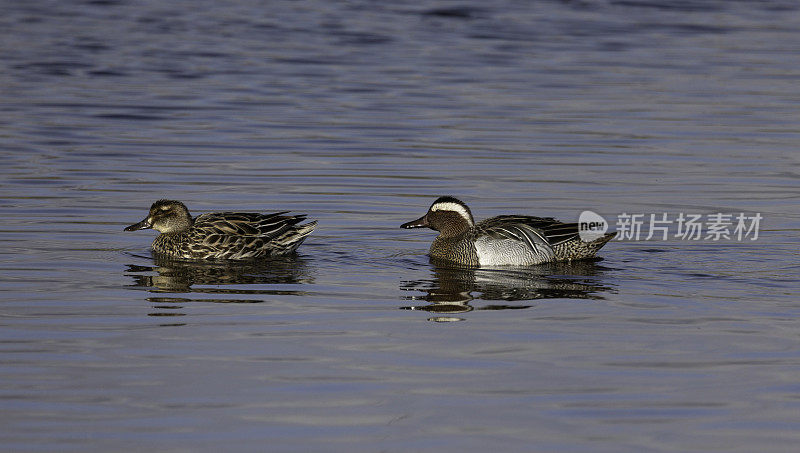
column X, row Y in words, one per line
column 222, row 235
column 507, row 240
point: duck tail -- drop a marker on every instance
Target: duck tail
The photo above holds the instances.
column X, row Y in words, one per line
column 600, row 242
column 304, row 230
column 593, row 246
column 292, row 238
column 576, row 249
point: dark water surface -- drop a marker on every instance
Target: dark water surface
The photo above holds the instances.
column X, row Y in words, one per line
column 360, row 114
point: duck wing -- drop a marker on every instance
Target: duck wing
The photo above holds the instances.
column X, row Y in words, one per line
column 251, row 224
column 244, row 235
column 529, row 228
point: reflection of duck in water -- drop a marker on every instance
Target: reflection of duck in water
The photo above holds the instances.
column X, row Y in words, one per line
column 171, row 275
column 508, row 240
column 454, row 289
column 216, row 282
column 222, row 235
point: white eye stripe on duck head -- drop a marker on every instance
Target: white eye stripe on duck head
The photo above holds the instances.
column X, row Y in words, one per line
column 451, row 206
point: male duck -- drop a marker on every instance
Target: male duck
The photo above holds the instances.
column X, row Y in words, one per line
column 222, row 235
column 506, row 240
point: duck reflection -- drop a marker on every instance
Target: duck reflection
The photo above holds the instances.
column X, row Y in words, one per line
column 220, row 278
column 454, row 289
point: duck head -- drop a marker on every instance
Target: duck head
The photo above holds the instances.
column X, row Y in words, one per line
column 166, row 216
column 447, row 215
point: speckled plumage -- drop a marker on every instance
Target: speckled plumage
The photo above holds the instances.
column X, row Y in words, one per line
column 222, row 235
column 503, row 240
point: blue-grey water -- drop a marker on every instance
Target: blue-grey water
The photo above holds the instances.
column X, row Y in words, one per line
column 360, row 114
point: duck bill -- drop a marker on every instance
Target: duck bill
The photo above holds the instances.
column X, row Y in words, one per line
column 139, row 226
column 419, row 223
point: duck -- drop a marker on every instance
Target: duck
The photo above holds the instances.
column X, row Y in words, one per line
column 506, row 240
column 222, row 235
